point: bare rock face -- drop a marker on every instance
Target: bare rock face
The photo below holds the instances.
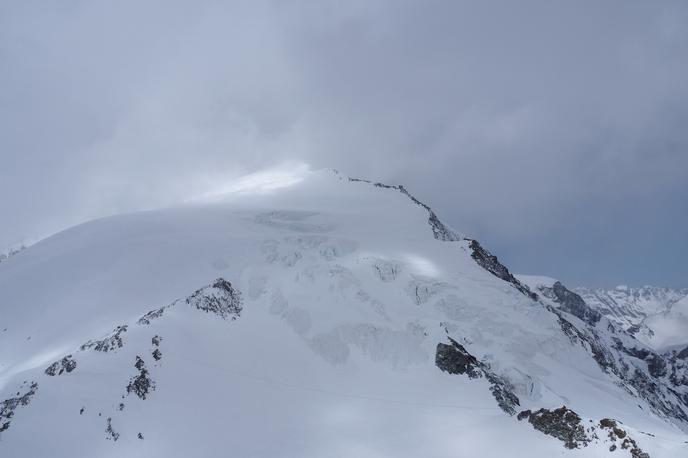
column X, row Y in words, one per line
column 455, row 359
column 502, row 391
column 110, row 342
column 152, row 315
column 656, row 366
column 571, row 302
column 66, row 364
column 489, row 262
column 562, row 423
column 8, row 406
column 220, row 298
column 141, row 385
column 567, row 426
column 615, row 432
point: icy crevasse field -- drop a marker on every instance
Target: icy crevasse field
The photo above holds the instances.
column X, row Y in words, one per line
column 342, row 296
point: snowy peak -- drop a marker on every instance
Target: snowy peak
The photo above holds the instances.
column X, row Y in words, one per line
column 345, row 319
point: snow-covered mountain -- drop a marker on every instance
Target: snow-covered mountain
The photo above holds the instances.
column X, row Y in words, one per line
column 647, row 312
column 332, row 317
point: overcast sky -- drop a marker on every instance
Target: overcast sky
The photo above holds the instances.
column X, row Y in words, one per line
column 555, row 132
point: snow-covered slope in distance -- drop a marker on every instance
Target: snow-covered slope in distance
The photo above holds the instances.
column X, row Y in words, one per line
column 339, row 318
column 669, row 329
column 647, row 312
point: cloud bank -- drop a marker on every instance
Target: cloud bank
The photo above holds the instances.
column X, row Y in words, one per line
column 555, row 132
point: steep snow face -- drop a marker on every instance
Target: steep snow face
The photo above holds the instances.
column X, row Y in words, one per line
column 331, row 318
column 646, row 312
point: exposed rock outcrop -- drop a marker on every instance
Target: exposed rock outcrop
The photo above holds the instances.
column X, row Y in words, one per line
column 562, row 423
column 141, row 385
column 8, row 406
column 66, row 364
column 110, row 342
column 571, row 302
column 615, row 432
column 455, row 359
column 220, row 298
column 489, row 262
column 152, row 315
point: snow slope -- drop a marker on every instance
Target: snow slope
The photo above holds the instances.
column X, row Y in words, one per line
column 329, row 318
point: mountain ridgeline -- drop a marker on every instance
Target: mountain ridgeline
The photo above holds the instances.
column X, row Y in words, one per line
column 340, row 317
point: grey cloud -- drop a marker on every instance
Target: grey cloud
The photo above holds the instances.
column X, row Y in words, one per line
column 554, row 131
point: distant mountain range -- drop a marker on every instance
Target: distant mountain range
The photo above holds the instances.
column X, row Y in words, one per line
column 650, row 313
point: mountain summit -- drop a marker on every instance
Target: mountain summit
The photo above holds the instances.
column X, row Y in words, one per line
column 332, row 317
